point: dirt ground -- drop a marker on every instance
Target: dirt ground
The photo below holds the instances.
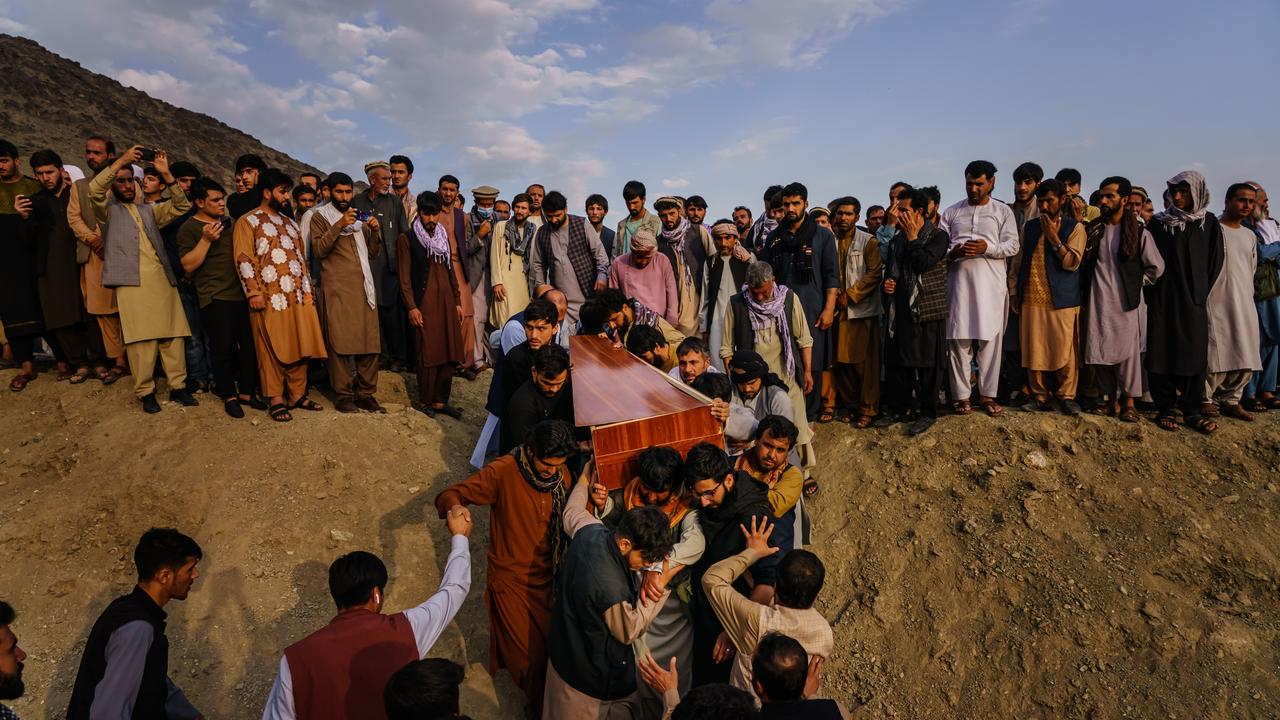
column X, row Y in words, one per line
column 1034, row 566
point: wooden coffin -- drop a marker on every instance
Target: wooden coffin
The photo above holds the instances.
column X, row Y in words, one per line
column 630, row 405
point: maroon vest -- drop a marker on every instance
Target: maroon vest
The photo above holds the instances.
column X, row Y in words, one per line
column 340, row 670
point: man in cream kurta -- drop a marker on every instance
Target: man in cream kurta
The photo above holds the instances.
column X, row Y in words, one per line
column 983, row 233
column 136, row 265
column 1235, row 349
column 511, row 243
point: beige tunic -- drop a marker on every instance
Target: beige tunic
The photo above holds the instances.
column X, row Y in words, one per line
column 508, row 270
column 152, row 310
column 352, row 325
column 1050, row 337
column 98, row 300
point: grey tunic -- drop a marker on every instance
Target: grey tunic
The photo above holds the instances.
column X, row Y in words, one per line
column 1234, row 339
column 1115, row 336
column 566, row 278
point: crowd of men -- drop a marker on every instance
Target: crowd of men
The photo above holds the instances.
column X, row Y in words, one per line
column 690, row 583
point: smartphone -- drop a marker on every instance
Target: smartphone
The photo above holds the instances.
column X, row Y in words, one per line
column 363, row 215
column 148, row 154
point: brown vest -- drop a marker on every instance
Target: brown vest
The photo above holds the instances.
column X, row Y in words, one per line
column 340, row 671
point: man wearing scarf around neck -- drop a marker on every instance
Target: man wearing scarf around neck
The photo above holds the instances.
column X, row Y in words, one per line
column 803, row 256
column 348, row 252
column 382, row 203
column 527, row 492
column 1189, row 239
column 1259, row 395
column 659, row 483
column 507, row 252
column 769, row 319
column 687, row 247
column 431, row 291
column 482, row 221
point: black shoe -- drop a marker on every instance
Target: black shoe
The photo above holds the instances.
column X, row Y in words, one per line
column 232, row 406
column 183, row 397
column 150, row 404
column 256, row 402
column 884, row 421
column 426, row 410
column 370, row 404
column 345, row 405
column 451, row 411
column 1034, row 405
column 1069, row 407
column 922, row 423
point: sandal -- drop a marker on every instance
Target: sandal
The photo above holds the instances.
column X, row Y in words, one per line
column 810, row 487
column 113, row 375
column 81, row 375
column 1129, row 415
column 1273, row 402
column 20, row 381
column 1167, row 422
column 64, row 375
column 828, row 414
column 305, row 403
column 1210, row 410
column 1202, row 424
column 993, row 408
column 961, row 407
column 1254, row 405
column 280, row 413
column 863, row 422
column 1237, row 412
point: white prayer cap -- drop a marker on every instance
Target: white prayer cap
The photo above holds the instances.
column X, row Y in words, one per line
column 643, row 239
column 74, row 172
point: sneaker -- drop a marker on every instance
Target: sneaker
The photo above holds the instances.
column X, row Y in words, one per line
column 370, row 404
column 346, row 405
column 183, row 397
column 150, row 404
column 232, row 408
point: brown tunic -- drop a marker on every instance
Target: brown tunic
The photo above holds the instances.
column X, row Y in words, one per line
column 98, row 300
column 440, row 337
column 521, row 570
column 268, row 252
column 352, row 325
column 467, row 323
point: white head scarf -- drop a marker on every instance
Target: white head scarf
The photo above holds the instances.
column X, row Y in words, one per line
column 1173, row 216
column 74, row 172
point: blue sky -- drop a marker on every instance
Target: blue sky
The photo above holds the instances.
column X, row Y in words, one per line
column 720, row 98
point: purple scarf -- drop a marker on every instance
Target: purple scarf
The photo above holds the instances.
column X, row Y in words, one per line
column 436, row 244
column 772, row 313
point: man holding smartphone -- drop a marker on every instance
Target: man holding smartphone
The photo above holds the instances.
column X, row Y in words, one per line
column 19, row 299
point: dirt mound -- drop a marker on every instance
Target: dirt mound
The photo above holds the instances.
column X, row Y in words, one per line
column 1034, row 566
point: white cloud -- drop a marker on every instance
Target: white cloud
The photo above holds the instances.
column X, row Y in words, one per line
column 756, row 143
column 13, row 27
column 675, row 183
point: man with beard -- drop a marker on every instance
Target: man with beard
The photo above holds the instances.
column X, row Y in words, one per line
column 767, row 222
column 597, row 207
column 431, row 289
column 1026, row 178
column 536, row 214
column 1260, row 392
column 482, row 221
column 1120, row 260
column 1046, row 296
column 538, row 322
column 659, row 483
column 803, row 257
column 727, row 501
column 380, row 204
column 528, row 491
column 638, row 217
column 916, row 348
column 199, row 366
column 875, row 218
column 982, row 234
column 99, row 301
column 647, row 343
column 401, row 175
column 11, row 660
column 768, row 318
column 623, row 313
column 1234, row 350
column 686, row 247
column 757, row 390
column 349, row 250
column 567, row 255
column 693, row 358
column 304, row 198
column 742, row 220
column 465, row 250
column 645, row 274
column 19, row 265
column 856, row 372
column 124, row 667
column 507, row 252
column 206, row 253
column 249, row 170
column 766, row 461
column 545, row 395
column 137, row 266
column 724, row 275
column 695, row 209
column 282, row 308
column 501, row 210
column 1189, row 239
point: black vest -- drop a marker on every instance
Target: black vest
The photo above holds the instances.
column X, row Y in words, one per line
column 744, row 338
column 1064, row 285
column 592, row 577
column 737, row 268
column 153, row 690
column 802, row 710
column 419, row 267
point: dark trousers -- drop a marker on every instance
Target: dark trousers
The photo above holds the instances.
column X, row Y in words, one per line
column 1185, row 392
column 199, row 365
column 435, row 384
column 919, row 388
column 392, row 323
column 231, row 349
column 24, row 348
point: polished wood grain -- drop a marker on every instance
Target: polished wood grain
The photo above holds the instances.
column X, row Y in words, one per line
column 631, row 406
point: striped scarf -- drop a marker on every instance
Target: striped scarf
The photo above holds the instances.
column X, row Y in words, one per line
column 675, row 238
column 555, row 536
column 772, row 313
column 436, row 243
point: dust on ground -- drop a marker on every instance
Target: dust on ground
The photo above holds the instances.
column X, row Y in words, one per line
column 1034, row 566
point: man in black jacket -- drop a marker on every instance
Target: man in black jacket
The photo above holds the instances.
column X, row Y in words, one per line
column 727, row 500
column 126, row 659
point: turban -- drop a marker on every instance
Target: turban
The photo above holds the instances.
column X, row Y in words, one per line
column 747, row 365
column 643, row 239
column 668, row 199
column 724, row 228
column 1138, row 189
column 371, row 166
